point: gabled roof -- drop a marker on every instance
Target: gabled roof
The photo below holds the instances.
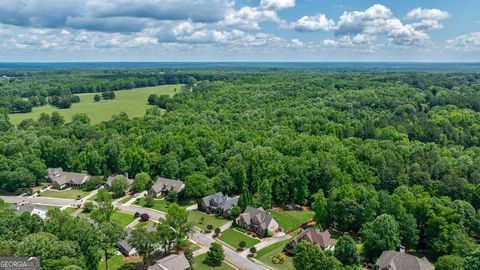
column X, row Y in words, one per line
column 394, row 260
column 39, row 210
column 171, row 262
column 264, row 219
column 57, row 175
column 164, row 184
column 124, row 242
column 222, row 201
column 316, row 237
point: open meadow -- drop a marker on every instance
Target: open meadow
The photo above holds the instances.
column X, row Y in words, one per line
column 133, row 102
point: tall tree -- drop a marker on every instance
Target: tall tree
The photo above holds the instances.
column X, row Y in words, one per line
column 215, row 255
column 144, row 242
column 109, row 234
column 177, row 219
column 346, row 251
column 321, row 209
column 380, row 235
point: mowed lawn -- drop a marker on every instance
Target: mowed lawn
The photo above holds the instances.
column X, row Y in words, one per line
column 160, row 204
column 289, row 220
column 195, row 218
column 121, row 218
column 133, row 102
column 118, row 262
column 199, row 265
column 234, row 237
column 65, row 194
column 265, row 255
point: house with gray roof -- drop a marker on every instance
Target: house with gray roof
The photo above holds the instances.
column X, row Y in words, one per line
column 61, row 179
column 318, row 238
column 401, row 261
column 164, row 186
column 171, row 262
column 124, row 245
column 108, row 184
column 32, row 209
column 257, row 220
column 218, row 202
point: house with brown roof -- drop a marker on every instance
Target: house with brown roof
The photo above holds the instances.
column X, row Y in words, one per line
column 401, row 261
column 257, row 220
column 164, row 186
column 61, row 179
column 318, row 238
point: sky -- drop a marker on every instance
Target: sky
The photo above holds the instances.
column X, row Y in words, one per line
column 239, row 30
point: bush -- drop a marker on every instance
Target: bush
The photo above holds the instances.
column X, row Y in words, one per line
column 88, row 207
column 144, row 217
column 136, row 215
column 217, row 231
column 96, row 98
column 209, row 227
column 148, row 200
column 278, row 259
column 93, row 183
column 242, row 244
column 253, row 250
column 269, row 233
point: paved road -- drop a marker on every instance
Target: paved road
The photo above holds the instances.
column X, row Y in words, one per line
column 38, row 200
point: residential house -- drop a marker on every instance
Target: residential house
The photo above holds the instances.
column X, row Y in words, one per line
column 164, row 186
column 401, row 261
column 315, row 236
column 32, row 209
column 171, row 262
column 108, row 184
column 61, row 179
column 257, row 220
column 218, row 202
column 124, row 245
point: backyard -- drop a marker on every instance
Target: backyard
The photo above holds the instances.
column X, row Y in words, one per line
column 118, row 262
column 289, row 220
column 265, row 255
column 196, row 218
column 65, row 194
column 234, row 237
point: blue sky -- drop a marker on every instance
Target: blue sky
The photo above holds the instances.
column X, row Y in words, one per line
column 239, row 30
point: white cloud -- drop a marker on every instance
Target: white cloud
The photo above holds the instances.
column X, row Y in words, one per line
column 427, row 25
column 378, row 20
column 250, row 18
column 427, row 14
column 318, row 22
column 277, row 4
column 470, row 42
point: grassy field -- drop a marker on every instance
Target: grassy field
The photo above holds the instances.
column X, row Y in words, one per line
column 233, row 238
column 133, row 102
column 265, row 255
column 195, row 216
column 126, row 199
column 199, row 265
column 70, row 210
column 67, row 194
column 289, row 220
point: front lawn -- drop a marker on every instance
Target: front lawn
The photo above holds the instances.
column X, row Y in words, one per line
column 196, row 218
column 265, row 255
column 199, row 265
column 234, row 237
column 289, row 220
column 161, row 205
column 70, row 210
column 126, row 199
column 123, row 219
column 66, row 194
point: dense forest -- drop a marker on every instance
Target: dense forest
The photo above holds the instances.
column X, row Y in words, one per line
column 360, row 143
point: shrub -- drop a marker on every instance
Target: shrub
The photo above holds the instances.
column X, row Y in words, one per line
column 144, row 217
column 148, row 200
column 253, row 250
column 242, row 244
column 217, row 231
column 136, row 215
column 269, row 233
column 88, row 207
column 209, row 227
column 278, row 259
